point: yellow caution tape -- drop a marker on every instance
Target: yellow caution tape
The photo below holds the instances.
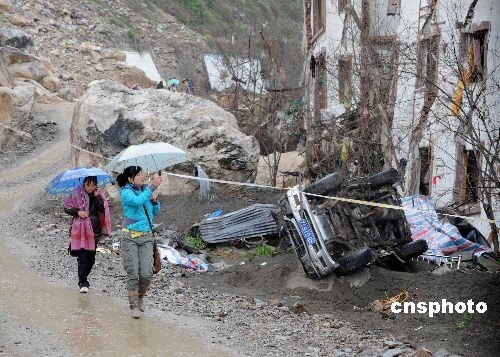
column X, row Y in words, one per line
column 342, row 199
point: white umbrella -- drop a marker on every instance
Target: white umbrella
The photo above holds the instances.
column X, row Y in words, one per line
column 149, row 156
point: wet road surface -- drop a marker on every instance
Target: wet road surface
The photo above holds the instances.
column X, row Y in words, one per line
column 39, row 317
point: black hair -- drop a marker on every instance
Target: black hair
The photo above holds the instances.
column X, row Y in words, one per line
column 92, row 179
column 131, row 172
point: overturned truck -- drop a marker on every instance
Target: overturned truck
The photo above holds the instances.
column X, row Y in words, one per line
column 338, row 236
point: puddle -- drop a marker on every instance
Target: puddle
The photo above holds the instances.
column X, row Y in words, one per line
column 90, row 324
column 85, row 324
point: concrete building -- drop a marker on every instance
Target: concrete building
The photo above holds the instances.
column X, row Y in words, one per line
column 426, row 74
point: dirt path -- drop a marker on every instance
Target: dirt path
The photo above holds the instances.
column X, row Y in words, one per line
column 264, row 307
column 41, row 318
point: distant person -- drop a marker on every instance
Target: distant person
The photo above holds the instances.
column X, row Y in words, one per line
column 172, row 84
column 140, row 204
column 135, row 87
column 188, row 84
column 91, row 220
column 161, row 84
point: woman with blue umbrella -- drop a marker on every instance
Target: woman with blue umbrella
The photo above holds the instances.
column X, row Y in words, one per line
column 90, row 211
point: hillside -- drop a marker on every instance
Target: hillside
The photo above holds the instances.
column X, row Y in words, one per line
column 176, row 33
column 222, row 20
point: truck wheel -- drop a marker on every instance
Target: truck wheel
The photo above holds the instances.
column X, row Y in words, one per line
column 387, row 177
column 354, row 261
column 412, row 249
column 328, row 183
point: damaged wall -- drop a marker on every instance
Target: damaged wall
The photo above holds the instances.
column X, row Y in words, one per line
column 437, row 129
column 427, row 38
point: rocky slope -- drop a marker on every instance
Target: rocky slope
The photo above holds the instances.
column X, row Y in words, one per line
column 77, row 39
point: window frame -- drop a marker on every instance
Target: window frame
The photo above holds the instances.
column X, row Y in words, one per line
column 321, row 84
column 344, row 75
column 319, row 20
column 393, row 7
column 342, row 5
column 429, row 43
column 461, row 178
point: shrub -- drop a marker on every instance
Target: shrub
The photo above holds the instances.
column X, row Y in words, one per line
column 264, row 250
column 197, row 242
column 131, row 32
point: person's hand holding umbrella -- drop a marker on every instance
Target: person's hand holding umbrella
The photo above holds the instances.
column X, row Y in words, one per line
column 157, row 180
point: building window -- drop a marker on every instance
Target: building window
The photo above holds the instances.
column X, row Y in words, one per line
column 393, row 7
column 428, row 63
column 470, row 178
column 467, row 181
column 307, row 16
column 342, row 5
column 345, row 83
column 320, row 89
column 425, row 170
column 319, row 12
column 384, row 60
column 474, row 51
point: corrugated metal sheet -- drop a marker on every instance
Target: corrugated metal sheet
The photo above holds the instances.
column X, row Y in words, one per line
column 248, row 222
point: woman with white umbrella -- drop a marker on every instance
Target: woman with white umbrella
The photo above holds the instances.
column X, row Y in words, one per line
column 140, row 204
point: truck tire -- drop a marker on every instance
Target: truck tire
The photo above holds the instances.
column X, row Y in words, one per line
column 326, row 184
column 412, row 249
column 354, row 261
column 387, row 177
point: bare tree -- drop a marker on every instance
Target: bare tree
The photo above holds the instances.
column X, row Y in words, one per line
column 453, row 95
column 261, row 92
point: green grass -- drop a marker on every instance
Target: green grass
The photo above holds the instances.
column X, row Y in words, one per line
column 264, row 250
column 221, row 19
column 197, row 242
column 464, row 322
column 131, row 33
column 118, row 21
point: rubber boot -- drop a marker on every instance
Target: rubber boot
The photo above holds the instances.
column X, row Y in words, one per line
column 142, row 293
column 133, row 300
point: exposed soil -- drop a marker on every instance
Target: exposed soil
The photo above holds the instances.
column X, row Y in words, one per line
column 334, row 318
column 282, row 278
column 479, row 337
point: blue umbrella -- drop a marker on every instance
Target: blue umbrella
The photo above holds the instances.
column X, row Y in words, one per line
column 66, row 181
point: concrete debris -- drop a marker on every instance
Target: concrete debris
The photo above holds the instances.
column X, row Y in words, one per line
column 441, row 270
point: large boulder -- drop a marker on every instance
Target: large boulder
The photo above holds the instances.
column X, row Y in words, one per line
column 5, row 78
column 290, row 166
column 19, row 20
column 110, row 117
column 23, row 65
column 15, row 107
column 15, row 38
column 5, row 6
column 52, row 83
column 42, row 95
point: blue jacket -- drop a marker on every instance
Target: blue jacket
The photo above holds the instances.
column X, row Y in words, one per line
column 133, row 199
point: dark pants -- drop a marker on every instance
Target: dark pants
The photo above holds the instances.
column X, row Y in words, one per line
column 86, row 260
